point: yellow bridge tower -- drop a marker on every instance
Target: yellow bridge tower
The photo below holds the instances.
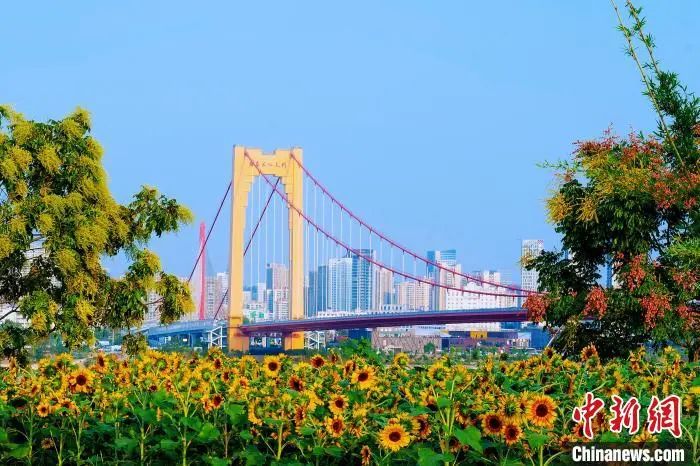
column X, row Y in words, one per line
column 248, row 164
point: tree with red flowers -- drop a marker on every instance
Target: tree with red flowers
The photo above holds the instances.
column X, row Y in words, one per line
column 631, row 203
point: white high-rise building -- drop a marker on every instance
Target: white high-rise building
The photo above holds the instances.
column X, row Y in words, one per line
column 340, row 284
column 210, row 302
column 529, row 279
column 277, row 291
column 221, row 295
column 278, row 304
column 384, row 289
column 411, row 295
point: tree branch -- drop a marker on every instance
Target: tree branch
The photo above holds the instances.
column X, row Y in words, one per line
column 647, row 82
column 11, row 311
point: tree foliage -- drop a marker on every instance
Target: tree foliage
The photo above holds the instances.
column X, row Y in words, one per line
column 58, row 219
column 632, row 203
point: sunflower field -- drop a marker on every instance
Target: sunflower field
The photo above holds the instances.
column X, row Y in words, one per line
column 166, row 408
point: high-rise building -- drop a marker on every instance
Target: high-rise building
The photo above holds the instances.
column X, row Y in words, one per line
column 384, row 289
column 317, row 291
column 310, row 294
column 321, row 288
column 529, row 279
column 259, row 292
column 277, row 276
column 411, row 295
column 447, row 260
column 210, row 303
column 363, row 280
column 277, row 291
column 221, row 296
column 278, row 304
column 444, row 257
column 340, row 284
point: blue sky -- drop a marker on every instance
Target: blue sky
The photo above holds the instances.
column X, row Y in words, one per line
column 427, row 118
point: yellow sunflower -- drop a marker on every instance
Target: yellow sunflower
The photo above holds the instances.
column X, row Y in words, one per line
column 364, row 377
column 338, row 404
column 47, row 443
column 424, row 428
column 438, row 373
column 394, row 437
column 296, row 384
column 542, row 411
column 80, row 380
column 43, row 409
column 366, row 455
column 589, row 352
column 512, row 434
column 252, row 415
column 317, row 361
column 272, row 366
column 493, row 424
column 511, row 409
column 335, row 426
column 401, row 359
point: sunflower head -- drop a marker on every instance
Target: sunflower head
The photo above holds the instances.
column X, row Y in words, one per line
column 394, row 437
column 80, row 381
column 401, row 359
column 493, row 424
column 296, row 384
column 100, row 362
column 438, row 374
column 512, row 433
column 366, row 455
column 511, row 408
column 335, row 426
column 47, row 443
column 43, row 409
column 589, row 353
column 364, row 377
column 424, row 428
column 317, row 361
column 272, row 366
column 338, row 404
column 542, row 411
column 299, row 415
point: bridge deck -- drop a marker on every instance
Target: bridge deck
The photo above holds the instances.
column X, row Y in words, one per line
column 395, row 319
column 390, row 320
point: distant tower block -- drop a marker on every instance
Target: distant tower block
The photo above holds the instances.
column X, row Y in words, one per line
column 280, row 164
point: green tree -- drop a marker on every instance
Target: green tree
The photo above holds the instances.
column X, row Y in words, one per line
column 57, row 220
column 632, row 203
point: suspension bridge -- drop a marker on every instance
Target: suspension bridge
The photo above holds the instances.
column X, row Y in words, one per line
column 301, row 261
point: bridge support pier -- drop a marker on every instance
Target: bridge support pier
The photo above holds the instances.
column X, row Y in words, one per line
column 293, row 341
column 237, row 340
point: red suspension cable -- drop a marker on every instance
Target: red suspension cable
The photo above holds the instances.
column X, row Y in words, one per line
column 398, row 246
column 206, row 240
column 250, row 240
column 211, row 228
column 370, row 260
